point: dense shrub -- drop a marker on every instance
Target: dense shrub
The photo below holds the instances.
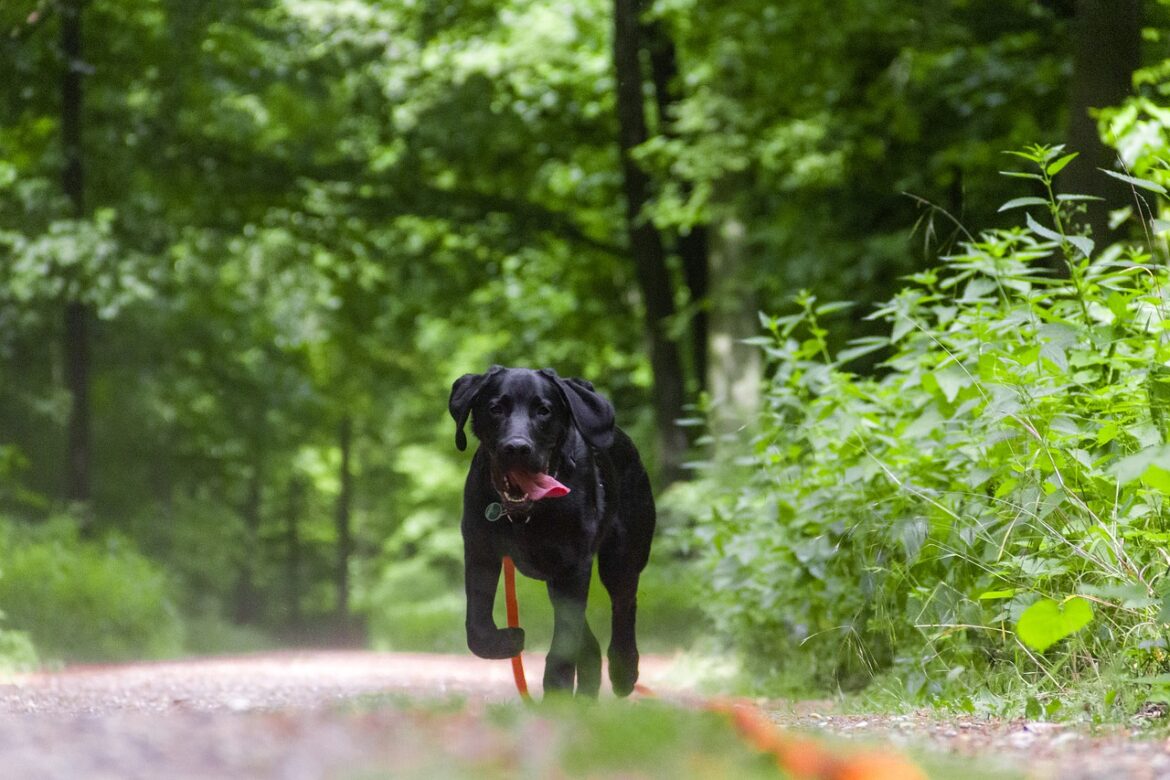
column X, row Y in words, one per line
column 83, row 600
column 1012, row 450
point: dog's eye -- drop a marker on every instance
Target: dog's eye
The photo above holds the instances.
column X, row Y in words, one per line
column 496, row 408
column 543, row 411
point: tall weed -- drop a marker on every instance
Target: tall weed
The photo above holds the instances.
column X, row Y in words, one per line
column 1014, row 450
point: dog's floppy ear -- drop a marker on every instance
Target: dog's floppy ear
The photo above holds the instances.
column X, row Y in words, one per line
column 463, row 394
column 592, row 413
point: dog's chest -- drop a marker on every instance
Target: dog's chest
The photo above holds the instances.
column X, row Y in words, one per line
column 546, row 559
column 547, row 546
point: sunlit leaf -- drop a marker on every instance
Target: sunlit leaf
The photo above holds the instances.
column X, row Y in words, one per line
column 1047, row 622
column 1057, row 166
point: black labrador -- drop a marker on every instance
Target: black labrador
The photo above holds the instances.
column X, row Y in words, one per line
column 553, row 484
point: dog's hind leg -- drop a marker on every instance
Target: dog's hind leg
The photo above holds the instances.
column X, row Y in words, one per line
column 620, row 561
column 623, row 644
column 620, row 577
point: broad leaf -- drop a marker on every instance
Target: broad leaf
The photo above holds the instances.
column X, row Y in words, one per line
column 1133, row 467
column 1047, row 622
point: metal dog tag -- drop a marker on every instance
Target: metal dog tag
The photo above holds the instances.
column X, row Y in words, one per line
column 493, row 512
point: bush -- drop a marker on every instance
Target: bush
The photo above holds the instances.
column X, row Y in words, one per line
column 1013, row 451
column 16, row 651
column 85, row 601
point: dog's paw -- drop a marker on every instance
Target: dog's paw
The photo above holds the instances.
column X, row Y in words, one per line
column 558, row 676
column 496, row 644
column 623, row 671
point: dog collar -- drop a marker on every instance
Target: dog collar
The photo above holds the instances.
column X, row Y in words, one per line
column 495, row 511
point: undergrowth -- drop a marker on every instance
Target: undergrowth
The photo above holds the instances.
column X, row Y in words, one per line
column 986, row 516
column 79, row 600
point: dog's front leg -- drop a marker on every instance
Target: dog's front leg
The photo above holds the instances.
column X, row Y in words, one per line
column 481, row 573
column 574, row 651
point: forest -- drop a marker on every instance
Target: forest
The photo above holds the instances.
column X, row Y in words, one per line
column 878, row 286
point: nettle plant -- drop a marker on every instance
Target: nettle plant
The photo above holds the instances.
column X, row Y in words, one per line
column 998, row 492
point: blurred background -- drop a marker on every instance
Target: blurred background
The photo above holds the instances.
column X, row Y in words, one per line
column 246, row 246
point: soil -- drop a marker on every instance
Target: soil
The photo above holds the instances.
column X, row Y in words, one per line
column 327, row 714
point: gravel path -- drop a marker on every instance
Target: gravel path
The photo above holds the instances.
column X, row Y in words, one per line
column 297, row 716
column 287, row 715
column 1045, row 751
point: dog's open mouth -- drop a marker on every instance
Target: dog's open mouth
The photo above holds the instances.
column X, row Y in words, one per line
column 518, row 487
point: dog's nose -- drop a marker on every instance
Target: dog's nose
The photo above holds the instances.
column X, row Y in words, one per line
column 517, row 448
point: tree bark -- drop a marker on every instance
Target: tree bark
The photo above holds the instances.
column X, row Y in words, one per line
column 344, row 503
column 294, row 553
column 692, row 245
column 1106, row 43
column 247, row 606
column 76, row 314
column 646, row 246
column 736, row 368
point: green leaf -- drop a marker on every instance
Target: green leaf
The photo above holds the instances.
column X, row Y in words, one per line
column 1056, row 167
column 951, row 381
column 1157, row 478
column 1082, row 243
column 863, row 346
column 1164, row 612
column 1133, row 467
column 1144, row 184
column 832, row 307
column 991, row 595
column 1040, row 230
column 1022, row 175
column 1016, row 203
column 1047, row 622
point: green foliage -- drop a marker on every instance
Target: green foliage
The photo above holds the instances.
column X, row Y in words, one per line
column 85, row 601
column 1009, row 457
column 17, row 653
column 16, row 649
column 304, row 216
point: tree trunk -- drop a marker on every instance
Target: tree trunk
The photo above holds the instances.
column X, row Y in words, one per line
column 344, row 502
column 294, row 553
column 736, row 368
column 649, row 256
column 247, row 607
column 691, row 245
column 1106, row 51
column 76, row 313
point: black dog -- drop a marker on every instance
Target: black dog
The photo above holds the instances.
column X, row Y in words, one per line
column 553, row 484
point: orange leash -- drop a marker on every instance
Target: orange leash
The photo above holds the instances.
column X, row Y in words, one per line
column 513, row 610
column 800, row 758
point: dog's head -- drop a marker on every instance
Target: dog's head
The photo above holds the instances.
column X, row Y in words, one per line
column 522, row 417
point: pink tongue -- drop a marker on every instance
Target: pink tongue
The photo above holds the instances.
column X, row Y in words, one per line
column 537, row 486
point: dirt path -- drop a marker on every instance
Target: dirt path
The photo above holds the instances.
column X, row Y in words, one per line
column 323, row 715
